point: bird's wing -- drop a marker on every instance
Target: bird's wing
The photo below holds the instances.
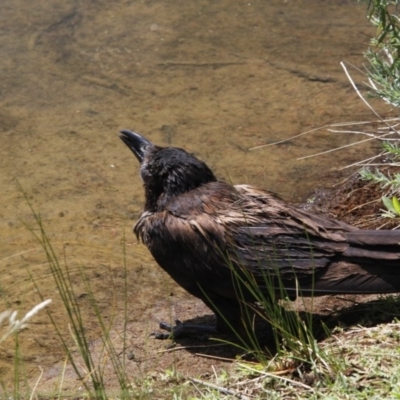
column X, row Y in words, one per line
column 257, row 231
column 268, row 235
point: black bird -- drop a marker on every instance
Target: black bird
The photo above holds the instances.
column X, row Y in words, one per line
column 215, row 239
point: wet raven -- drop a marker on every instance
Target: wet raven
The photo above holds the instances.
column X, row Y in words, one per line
column 216, row 240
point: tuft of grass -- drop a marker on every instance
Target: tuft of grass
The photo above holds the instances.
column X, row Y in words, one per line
column 294, row 333
column 13, row 328
column 92, row 373
column 369, row 369
column 267, row 298
column 14, row 324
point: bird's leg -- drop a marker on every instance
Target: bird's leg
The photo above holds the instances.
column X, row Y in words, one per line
column 182, row 329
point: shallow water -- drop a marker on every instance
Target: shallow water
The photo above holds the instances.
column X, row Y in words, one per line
column 216, row 78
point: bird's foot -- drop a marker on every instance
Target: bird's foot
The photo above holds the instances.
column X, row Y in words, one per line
column 182, row 330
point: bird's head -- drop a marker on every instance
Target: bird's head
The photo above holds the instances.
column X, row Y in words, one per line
column 166, row 171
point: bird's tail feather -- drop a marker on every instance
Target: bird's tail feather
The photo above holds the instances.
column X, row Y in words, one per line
column 359, row 277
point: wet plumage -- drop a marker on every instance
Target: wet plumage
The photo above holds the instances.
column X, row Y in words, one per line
column 200, row 230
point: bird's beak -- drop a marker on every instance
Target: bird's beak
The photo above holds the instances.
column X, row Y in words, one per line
column 138, row 144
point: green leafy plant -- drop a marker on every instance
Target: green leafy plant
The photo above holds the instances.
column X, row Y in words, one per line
column 377, row 176
column 384, row 55
column 384, row 80
column 385, row 180
column 388, row 181
column 392, row 207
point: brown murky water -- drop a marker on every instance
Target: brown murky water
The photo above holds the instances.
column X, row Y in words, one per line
column 214, row 77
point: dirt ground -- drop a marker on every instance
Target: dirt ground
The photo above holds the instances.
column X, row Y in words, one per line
column 216, row 78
